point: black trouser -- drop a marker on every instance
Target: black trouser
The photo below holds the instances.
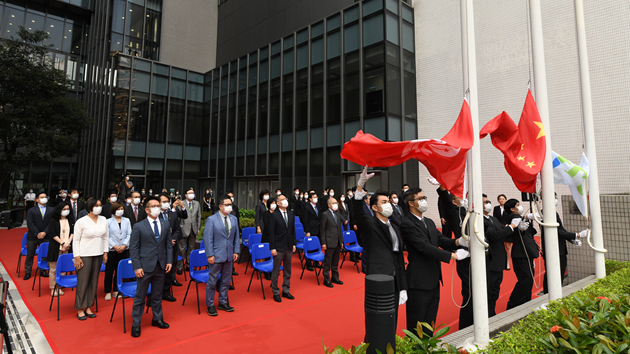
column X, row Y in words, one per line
column 111, row 267
column 523, row 288
column 156, row 280
column 31, row 248
column 171, row 276
column 331, row 261
column 494, row 289
column 422, row 306
column 466, row 312
column 563, row 268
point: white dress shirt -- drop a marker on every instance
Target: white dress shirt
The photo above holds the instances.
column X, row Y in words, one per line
column 90, row 238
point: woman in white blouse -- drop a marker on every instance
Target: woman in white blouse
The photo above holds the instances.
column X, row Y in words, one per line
column 90, row 247
column 119, row 234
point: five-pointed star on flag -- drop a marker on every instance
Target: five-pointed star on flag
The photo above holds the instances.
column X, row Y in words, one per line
column 531, row 164
column 541, row 133
column 521, row 158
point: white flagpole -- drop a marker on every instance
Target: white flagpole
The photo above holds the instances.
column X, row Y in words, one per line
column 475, row 200
column 552, row 257
column 589, row 139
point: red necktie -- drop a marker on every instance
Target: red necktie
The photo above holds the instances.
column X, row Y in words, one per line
column 135, row 212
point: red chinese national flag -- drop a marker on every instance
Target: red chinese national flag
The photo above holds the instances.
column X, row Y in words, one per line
column 445, row 159
column 524, row 147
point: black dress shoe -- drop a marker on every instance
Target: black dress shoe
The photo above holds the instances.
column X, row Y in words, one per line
column 231, row 287
column 225, row 307
column 169, row 298
column 309, row 267
column 277, row 298
column 211, row 311
column 328, row 284
column 337, row 282
column 267, row 276
column 176, row 283
column 288, row 296
column 179, row 272
column 81, row 318
column 135, row 332
column 159, row 324
column 234, row 272
column 43, row 274
column 90, row 315
column 27, row 276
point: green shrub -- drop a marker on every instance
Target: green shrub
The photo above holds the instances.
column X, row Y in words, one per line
column 246, row 213
column 247, row 222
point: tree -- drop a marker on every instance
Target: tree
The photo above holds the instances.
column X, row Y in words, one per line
column 38, row 120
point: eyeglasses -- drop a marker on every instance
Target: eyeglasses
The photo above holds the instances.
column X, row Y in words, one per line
column 227, row 204
column 421, row 198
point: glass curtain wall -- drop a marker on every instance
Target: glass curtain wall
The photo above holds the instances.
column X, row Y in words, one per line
column 136, row 28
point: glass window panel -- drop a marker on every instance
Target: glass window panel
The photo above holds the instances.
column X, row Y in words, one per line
column 410, row 95
column 141, row 81
column 392, row 28
column 34, row 22
column 317, row 51
column 409, row 62
column 333, row 22
column 11, row 22
column 302, row 36
column 253, row 75
column 118, row 16
column 317, row 137
column 333, row 168
column 407, row 14
column 194, row 133
column 54, row 29
column 373, row 56
column 287, row 102
column 136, row 21
column 351, row 38
column 242, row 80
column 333, row 45
column 287, row 142
column 302, row 56
column 317, row 29
column 159, row 85
column 407, row 32
column 176, row 121
column 275, row 48
column 116, row 44
column 178, row 88
column 333, row 135
column 317, row 95
column 253, row 57
column 394, row 129
column 159, row 109
column 371, row 6
column 374, row 86
column 301, row 139
column 376, row 127
column 333, row 102
column 242, row 62
column 288, row 42
column 393, row 91
column 195, row 77
column 351, row 129
column 142, row 65
column 264, row 53
column 393, row 53
column 264, row 71
column 275, row 67
column 392, row 5
column 301, row 113
column 411, row 129
column 179, row 73
column 138, row 123
column 351, row 15
column 288, row 62
column 372, row 30
column 195, row 92
column 79, row 34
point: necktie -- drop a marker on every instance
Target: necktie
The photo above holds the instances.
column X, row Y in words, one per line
column 334, row 216
column 284, row 214
column 227, row 227
column 135, row 212
column 394, row 237
column 190, row 206
column 164, row 216
column 41, row 211
column 157, row 231
column 74, row 209
column 316, row 213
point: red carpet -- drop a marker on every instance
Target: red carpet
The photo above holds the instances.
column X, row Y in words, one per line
column 256, row 326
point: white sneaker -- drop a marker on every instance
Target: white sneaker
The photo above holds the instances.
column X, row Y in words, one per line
column 108, row 296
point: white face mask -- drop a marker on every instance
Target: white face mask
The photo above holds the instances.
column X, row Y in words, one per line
column 556, row 201
column 227, row 209
column 284, row 203
column 335, row 207
column 97, row 210
column 395, row 200
column 43, row 201
column 519, row 210
column 343, row 199
column 487, row 208
column 232, row 198
column 332, row 194
column 387, row 210
column 120, row 213
column 65, row 212
column 423, row 206
column 155, row 212
column 278, row 193
column 112, row 199
column 190, row 196
column 128, row 201
column 297, row 193
column 136, row 201
column 166, row 206
column 266, row 197
column 350, row 194
column 75, row 196
column 273, row 207
column 314, row 200
column 405, row 190
column 63, row 195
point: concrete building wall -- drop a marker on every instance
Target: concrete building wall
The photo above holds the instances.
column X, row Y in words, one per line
column 189, row 34
column 504, row 67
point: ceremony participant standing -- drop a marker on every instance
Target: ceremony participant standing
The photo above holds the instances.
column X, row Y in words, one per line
column 221, row 241
column 119, row 234
column 331, row 240
column 397, row 214
column 190, row 227
column 151, row 252
column 282, row 245
column 62, row 198
column 426, row 248
column 29, row 200
column 113, row 198
column 89, row 246
column 37, row 220
column 382, row 238
column 206, row 201
column 135, row 212
column 294, row 202
column 60, row 234
column 344, row 211
column 310, row 221
column 170, row 214
column 502, row 215
column 261, row 207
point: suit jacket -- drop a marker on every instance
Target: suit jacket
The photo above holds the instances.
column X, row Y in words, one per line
column 54, row 229
column 281, row 236
column 106, row 210
column 397, row 215
column 426, row 248
column 344, row 211
column 322, row 203
column 123, row 229
column 331, row 229
column 452, row 214
column 173, row 220
column 145, row 250
column 501, row 217
column 193, row 221
column 36, row 223
column 142, row 214
column 81, row 206
column 310, row 220
column 378, row 242
column 60, row 200
column 260, row 209
column 236, row 213
column 265, row 230
column 518, row 250
column 497, row 233
column 294, row 205
column 563, row 237
column 219, row 244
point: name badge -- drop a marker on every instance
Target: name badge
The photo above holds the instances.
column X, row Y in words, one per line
column 129, row 261
column 202, row 251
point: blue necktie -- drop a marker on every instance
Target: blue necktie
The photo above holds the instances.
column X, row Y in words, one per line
column 157, row 232
column 316, row 213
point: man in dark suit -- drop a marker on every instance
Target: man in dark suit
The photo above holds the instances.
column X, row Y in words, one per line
column 282, row 245
column 113, row 198
column 331, row 240
column 170, row 214
column 382, row 238
column 63, row 197
column 37, row 220
column 426, row 248
column 322, row 204
column 294, row 202
column 310, row 221
column 397, row 214
column 151, row 251
column 261, row 208
column 135, row 212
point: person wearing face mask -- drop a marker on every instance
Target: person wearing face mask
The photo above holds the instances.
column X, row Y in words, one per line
column 221, row 240
column 113, row 198
column 125, row 185
column 60, row 235
column 282, row 243
column 331, row 240
column 235, row 210
column 322, row 204
column 151, row 253
column 382, row 238
column 206, row 200
column 271, row 208
column 427, row 248
column 294, row 201
column 128, row 201
column 403, row 206
column 29, row 200
column 135, row 212
column 524, row 251
column 397, row 214
column 37, row 220
column 90, row 248
column 310, row 221
column 119, row 234
column 62, row 198
column 502, row 215
column 345, row 212
column 261, row 208
column 190, row 227
column 170, row 214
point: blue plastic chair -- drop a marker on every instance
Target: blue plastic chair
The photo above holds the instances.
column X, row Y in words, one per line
column 126, row 288
column 262, row 263
column 245, row 234
column 42, row 264
column 23, row 252
column 253, row 239
column 299, row 240
column 202, row 245
column 350, row 244
column 298, row 221
column 313, row 251
column 198, row 260
column 65, row 264
column 103, row 267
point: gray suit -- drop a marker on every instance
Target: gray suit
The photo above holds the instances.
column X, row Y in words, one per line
column 190, row 229
column 222, row 246
column 330, row 230
column 152, row 255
